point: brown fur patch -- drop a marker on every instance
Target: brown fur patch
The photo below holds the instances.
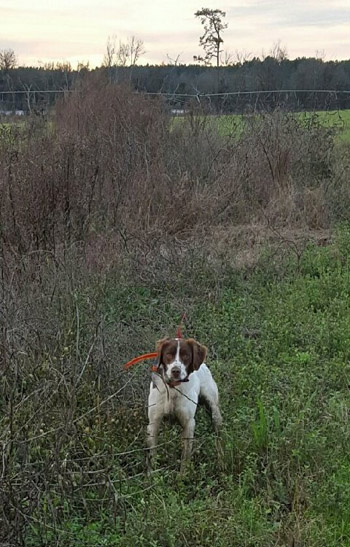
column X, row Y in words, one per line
column 192, row 354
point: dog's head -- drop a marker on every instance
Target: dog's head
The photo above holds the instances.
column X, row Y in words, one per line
column 180, row 357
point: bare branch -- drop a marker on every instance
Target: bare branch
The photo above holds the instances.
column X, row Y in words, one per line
column 8, row 59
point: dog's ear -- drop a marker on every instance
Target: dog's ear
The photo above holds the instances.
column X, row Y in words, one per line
column 159, row 348
column 199, row 353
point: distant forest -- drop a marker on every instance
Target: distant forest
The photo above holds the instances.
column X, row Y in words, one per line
column 294, row 81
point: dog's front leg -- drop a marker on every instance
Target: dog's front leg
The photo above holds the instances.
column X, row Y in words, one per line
column 152, row 439
column 187, row 435
column 216, row 418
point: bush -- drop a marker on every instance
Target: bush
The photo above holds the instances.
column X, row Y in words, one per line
column 112, row 162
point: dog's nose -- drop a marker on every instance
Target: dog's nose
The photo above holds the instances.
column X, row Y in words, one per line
column 175, row 372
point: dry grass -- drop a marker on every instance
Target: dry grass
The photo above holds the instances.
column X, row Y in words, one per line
column 110, row 164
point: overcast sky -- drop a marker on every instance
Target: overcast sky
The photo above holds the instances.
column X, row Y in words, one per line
column 77, row 30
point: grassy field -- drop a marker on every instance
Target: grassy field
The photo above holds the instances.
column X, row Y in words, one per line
column 112, row 226
column 279, row 349
column 339, row 120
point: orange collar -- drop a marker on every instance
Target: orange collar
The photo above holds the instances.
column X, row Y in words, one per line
column 143, row 357
column 152, row 355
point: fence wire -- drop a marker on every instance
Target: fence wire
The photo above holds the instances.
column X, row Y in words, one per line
column 21, row 102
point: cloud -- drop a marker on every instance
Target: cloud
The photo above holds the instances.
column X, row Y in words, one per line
column 72, row 29
column 299, row 13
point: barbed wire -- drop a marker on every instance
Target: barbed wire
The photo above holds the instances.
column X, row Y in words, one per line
column 34, row 91
column 21, row 101
column 255, row 92
column 198, row 94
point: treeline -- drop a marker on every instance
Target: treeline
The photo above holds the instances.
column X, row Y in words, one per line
column 293, row 79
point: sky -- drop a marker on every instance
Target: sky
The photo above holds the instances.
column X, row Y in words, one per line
column 44, row 31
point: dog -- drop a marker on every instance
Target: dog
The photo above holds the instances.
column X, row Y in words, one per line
column 182, row 377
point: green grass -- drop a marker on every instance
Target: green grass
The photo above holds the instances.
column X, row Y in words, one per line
column 228, row 124
column 339, row 120
column 285, row 400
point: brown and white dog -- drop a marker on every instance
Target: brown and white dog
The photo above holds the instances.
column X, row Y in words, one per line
column 182, row 378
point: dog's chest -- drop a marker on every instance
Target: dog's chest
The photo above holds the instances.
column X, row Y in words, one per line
column 178, row 403
column 171, row 402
